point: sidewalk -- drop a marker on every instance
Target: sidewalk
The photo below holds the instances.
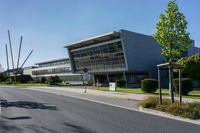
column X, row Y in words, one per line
column 111, row 94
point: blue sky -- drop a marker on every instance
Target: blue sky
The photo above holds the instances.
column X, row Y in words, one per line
column 48, row 25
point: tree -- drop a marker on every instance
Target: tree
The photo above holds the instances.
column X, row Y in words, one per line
column 1, row 68
column 191, row 66
column 171, row 32
column 172, row 36
column 3, row 77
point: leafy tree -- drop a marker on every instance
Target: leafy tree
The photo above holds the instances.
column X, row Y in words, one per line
column 171, row 32
column 3, row 77
column 191, row 66
column 172, row 36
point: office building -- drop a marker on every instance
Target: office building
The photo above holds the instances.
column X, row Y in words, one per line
column 58, row 67
column 119, row 55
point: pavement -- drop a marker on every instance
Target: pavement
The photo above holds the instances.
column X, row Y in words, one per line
column 28, row 110
column 111, row 94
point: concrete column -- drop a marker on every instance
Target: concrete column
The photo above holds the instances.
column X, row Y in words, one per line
column 94, row 81
column 107, row 75
column 97, row 82
column 124, row 74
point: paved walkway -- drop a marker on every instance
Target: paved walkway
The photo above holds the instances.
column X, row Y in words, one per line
column 111, row 94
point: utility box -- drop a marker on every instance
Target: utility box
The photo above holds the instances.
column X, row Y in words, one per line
column 112, row 86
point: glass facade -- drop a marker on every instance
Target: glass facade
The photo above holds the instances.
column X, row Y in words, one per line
column 62, row 62
column 53, row 67
column 103, row 57
column 136, row 78
column 52, row 71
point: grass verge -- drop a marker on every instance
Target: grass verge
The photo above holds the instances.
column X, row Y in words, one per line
column 23, row 84
column 127, row 90
column 186, row 110
column 195, row 94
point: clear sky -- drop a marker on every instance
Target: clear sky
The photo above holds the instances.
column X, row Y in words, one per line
column 48, row 25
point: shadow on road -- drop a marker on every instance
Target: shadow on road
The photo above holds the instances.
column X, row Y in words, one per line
column 27, row 105
column 76, row 129
column 5, row 127
column 16, row 118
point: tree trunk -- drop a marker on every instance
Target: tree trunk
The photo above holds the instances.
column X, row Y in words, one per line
column 171, row 84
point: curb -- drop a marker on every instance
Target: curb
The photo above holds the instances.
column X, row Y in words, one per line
column 166, row 115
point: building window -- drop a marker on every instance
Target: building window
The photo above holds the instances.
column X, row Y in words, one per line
column 108, row 56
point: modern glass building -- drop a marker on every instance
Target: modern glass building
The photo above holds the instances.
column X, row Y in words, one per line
column 118, row 55
column 58, row 67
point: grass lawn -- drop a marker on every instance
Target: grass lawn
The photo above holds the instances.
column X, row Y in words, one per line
column 195, row 94
column 127, row 90
column 24, row 84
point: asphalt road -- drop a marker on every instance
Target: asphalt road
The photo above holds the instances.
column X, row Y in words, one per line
column 28, row 111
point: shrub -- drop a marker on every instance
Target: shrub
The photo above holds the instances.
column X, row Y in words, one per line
column 24, row 78
column 149, row 85
column 150, row 102
column 43, row 80
column 120, row 83
column 55, row 80
column 186, row 84
column 187, row 110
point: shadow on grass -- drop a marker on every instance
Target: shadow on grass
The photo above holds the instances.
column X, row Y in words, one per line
column 27, row 105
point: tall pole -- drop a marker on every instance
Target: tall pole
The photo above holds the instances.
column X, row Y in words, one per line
column 25, row 60
column 8, row 73
column 11, row 49
column 19, row 53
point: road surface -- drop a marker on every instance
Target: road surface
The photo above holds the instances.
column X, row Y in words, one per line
column 29, row 111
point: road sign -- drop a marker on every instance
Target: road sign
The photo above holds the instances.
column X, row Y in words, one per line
column 85, row 70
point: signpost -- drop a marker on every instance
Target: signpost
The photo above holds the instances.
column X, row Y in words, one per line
column 85, row 70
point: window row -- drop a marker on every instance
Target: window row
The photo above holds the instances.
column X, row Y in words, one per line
column 107, row 56
column 54, row 63
column 52, row 71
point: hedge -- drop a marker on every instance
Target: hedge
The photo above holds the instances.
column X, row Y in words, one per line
column 186, row 84
column 149, row 85
column 120, row 83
